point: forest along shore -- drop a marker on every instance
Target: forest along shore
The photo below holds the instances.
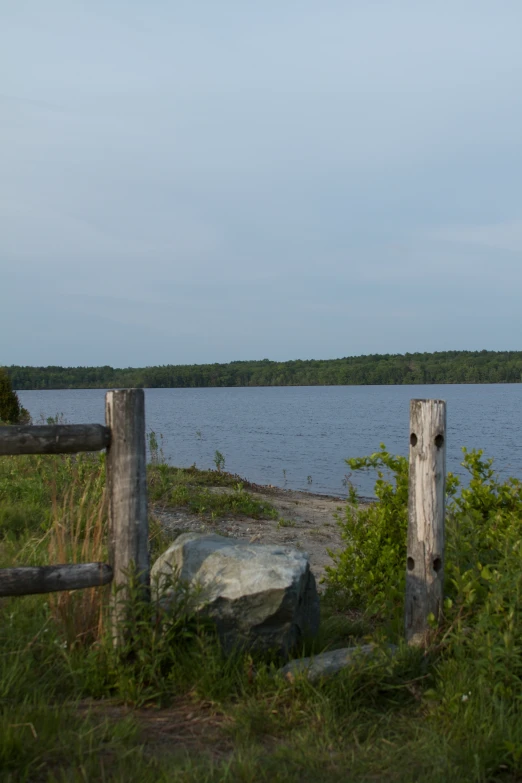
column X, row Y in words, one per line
column 306, row 521
column 438, row 367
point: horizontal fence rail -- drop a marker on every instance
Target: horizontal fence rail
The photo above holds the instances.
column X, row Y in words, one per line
column 54, row 439
column 52, row 579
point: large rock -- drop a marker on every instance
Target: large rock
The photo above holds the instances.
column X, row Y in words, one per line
column 260, row 596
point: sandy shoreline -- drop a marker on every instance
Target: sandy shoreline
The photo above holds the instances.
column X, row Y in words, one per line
column 307, row 522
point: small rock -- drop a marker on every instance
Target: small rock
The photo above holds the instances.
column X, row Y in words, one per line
column 328, row 663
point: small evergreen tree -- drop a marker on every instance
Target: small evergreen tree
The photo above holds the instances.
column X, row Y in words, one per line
column 11, row 410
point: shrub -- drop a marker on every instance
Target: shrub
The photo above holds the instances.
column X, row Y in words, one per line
column 483, row 535
column 474, row 675
column 369, row 572
column 219, row 461
column 11, row 411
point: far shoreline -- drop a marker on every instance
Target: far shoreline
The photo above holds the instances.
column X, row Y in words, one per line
column 427, row 368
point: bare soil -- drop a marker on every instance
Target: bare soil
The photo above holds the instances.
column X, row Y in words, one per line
column 187, row 727
column 306, row 521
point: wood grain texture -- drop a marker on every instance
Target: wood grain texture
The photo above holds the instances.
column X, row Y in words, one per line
column 127, row 492
column 50, row 579
column 53, row 439
column 426, row 508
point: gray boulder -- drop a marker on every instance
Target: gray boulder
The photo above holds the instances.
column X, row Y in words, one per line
column 329, row 663
column 260, row 596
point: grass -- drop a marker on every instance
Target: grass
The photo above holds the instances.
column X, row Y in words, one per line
column 285, row 522
column 206, row 492
column 171, row 707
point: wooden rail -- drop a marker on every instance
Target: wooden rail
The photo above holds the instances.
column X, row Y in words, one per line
column 51, row 579
column 124, row 438
column 54, row 439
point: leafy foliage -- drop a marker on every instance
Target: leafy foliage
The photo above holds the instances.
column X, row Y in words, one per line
column 484, row 577
column 219, row 461
column 483, row 535
column 438, row 367
column 476, row 681
column 11, row 411
column 369, row 571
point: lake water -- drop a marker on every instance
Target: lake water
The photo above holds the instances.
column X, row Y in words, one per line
column 299, row 437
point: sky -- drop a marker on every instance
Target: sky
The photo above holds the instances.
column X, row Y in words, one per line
column 198, row 181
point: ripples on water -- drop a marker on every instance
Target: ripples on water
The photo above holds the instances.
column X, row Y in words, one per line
column 299, row 437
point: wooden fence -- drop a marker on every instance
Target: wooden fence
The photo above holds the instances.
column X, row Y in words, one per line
column 124, row 438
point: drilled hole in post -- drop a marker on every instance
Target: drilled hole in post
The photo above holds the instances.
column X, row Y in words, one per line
column 410, row 563
column 413, row 439
column 437, row 564
column 439, row 440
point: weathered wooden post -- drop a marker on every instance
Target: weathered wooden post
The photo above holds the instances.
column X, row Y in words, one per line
column 127, row 492
column 425, row 557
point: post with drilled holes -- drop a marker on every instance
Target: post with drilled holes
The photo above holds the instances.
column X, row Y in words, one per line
column 425, row 555
column 127, row 492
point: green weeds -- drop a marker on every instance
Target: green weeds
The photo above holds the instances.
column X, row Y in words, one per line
column 473, row 696
column 285, row 522
column 209, row 492
column 219, row 461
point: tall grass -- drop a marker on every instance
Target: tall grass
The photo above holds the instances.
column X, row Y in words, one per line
column 79, row 534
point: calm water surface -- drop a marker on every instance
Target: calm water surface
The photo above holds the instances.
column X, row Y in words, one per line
column 299, row 437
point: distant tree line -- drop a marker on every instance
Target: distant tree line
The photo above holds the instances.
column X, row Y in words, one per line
column 375, row 369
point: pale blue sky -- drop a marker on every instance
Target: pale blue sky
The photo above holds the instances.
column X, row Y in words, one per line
column 207, row 181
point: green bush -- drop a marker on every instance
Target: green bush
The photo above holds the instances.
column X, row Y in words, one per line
column 483, row 624
column 369, row 572
column 483, row 533
column 472, row 694
column 11, row 411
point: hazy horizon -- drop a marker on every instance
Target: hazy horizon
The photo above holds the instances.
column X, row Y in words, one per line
column 200, row 183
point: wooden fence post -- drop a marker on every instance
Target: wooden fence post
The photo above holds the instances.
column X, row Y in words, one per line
column 127, row 493
column 425, row 557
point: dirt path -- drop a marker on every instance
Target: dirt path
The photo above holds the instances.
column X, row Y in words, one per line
column 306, row 521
